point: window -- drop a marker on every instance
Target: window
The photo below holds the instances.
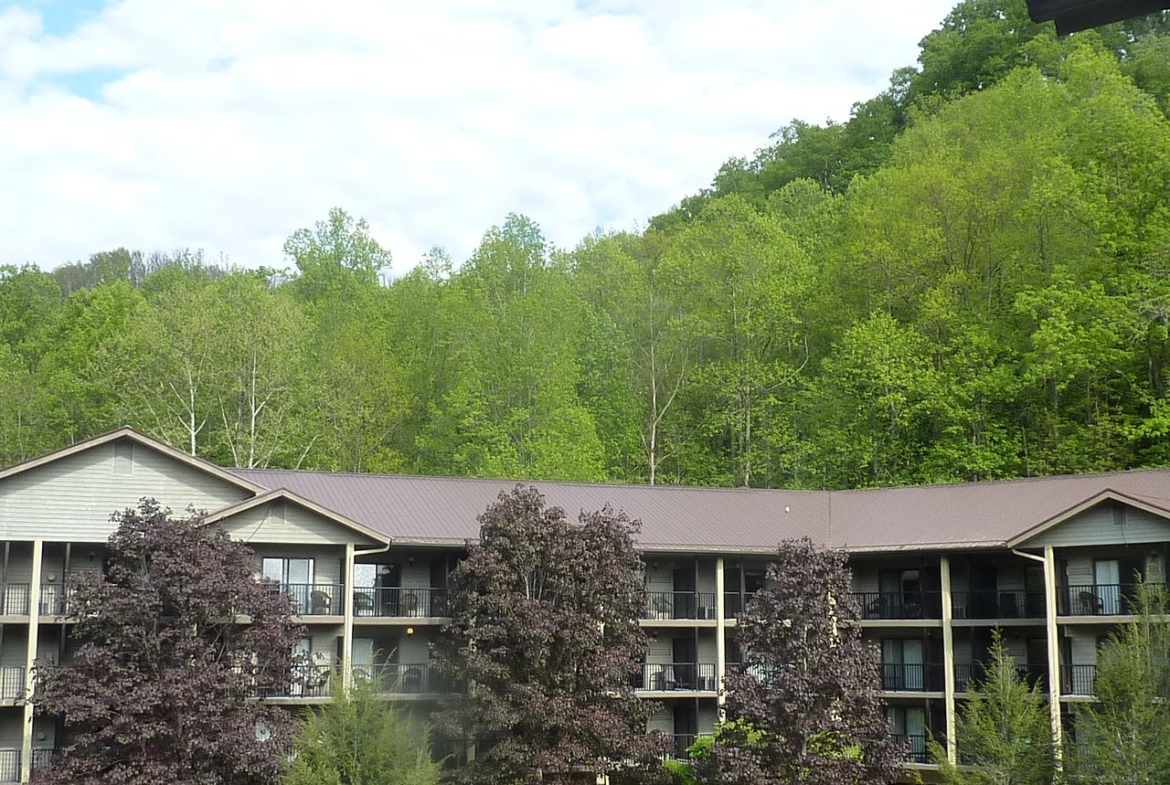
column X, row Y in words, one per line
column 295, row 577
column 288, row 571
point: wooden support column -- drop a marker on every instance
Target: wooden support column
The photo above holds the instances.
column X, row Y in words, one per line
column 347, row 634
column 720, row 641
column 948, row 631
column 30, row 659
column 1053, row 659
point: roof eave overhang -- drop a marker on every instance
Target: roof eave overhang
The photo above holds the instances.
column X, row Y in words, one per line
column 1106, row 495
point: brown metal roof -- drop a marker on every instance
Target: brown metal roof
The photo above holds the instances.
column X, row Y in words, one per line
column 444, row 510
column 972, row 515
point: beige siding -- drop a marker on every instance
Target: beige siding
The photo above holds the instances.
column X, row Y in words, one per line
column 706, row 582
column 44, row 733
column 281, row 522
column 11, row 727
column 1101, row 526
column 706, row 648
column 74, row 497
column 661, row 720
column 413, row 650
column 659, row 577
column 1082, row 647
column 708, row 716
column 1080, row 569
column 19, row 563
column 326, row 561
column 1010, row 577
column 660, row 651
column 865, row 580
column 416, row 576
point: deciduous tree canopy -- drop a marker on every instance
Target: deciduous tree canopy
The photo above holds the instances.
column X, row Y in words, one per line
column 544, row 632
column 176, row 640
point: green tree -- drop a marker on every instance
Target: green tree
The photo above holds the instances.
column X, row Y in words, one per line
column 512, row 408
column 336, row 257
column 1123, row 737
column 361, row 738
column 739, row 280
column 1003, row 731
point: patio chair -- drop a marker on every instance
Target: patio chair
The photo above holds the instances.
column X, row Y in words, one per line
column 319, row 603
column 1091, row 604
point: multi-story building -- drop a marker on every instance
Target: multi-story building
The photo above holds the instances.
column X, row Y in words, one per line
column 1050, row 562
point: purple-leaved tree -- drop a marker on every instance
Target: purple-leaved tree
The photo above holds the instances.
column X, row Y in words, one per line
column 173, row 642
column 804, row 706
column 545, row 632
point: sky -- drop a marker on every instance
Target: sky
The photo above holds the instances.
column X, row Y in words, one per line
column 225, row 125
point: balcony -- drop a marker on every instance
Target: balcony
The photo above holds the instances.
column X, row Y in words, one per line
column 912, row 677
column 968, row 673
column 677, row 676
column 314, row 599
column 1078, row 679
column 14, row 599
column 309, row 681
column 407, row 679
column 400, row 603
column 1116, row 599
column 915, row 745
column 662, row 605
column 54, row 600
column 1001, row 604
column 899, row 605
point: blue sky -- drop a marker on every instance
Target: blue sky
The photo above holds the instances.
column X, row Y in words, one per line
column 227, row 124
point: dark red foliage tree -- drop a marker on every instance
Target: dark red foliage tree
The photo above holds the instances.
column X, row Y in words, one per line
column 174, row 641
column 544, row 630
column 804, row 706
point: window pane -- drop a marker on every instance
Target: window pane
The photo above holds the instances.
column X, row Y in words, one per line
column 300, row 570
column 365, row 575
column 273, row 569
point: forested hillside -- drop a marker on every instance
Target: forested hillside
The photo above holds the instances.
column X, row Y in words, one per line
column 969, row 279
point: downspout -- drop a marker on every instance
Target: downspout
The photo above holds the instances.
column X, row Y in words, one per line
column 347, row 635
column 1049, row 562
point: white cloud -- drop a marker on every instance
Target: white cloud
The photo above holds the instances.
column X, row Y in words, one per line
column 227, row 124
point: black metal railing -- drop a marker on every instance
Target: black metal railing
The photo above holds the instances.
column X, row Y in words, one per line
column 966, row 673
column 1078, row 679
column 912, row 677
column 899, row 605
column 307, row 681
column 1103, row 599
column 407, row 679
column 694, row 676
column 679, row 744
column 998, row 604
column 9, row 765
column 915, row 746
column 42, row 759
column 54, row 600
column 14, row 599
column 314, row 599
column 12, row 683
column 400, row 602
column 680, row 605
